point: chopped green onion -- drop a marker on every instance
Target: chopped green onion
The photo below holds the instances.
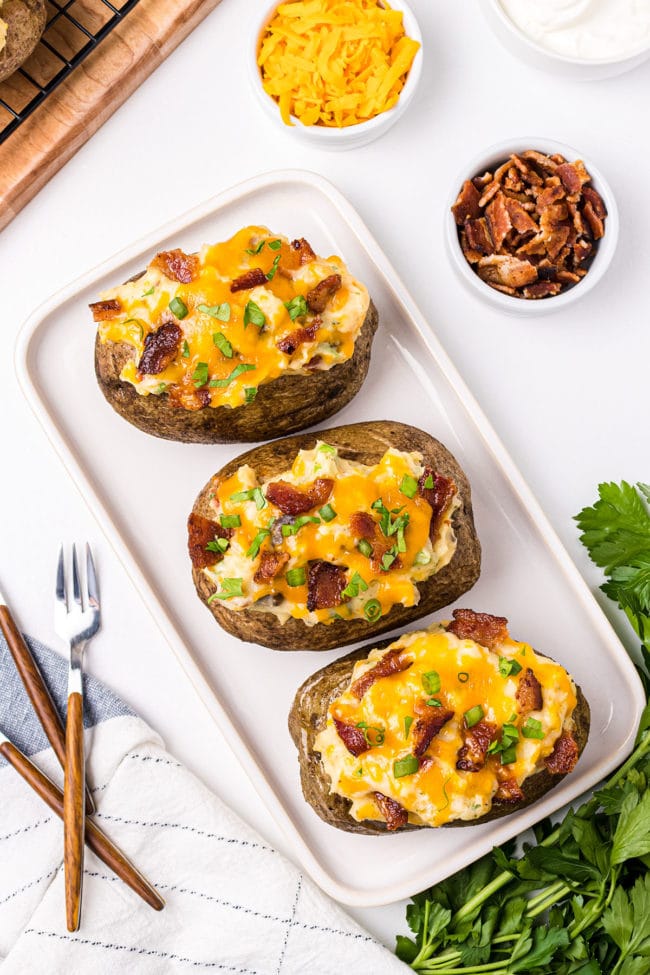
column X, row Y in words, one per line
column 218, row 545
column 429, row 482
column 270, row 274
column 365, row 548
column 296, row 577
column 434, row 702
column 431, row 681
column 145, row 294
column 275, row 245
column 254, row 494
column 508, row 666
column 160, row 388
column 358, row 772
column 327, row 513
column 237, row 371
column 254, row 548
column 474, row 715
column 178, row 307
column 409, row 486
column 387, row 560
column 221, row 312
column 422, row 558
column 255, row 250
column 230, row 521
column 186, row 350
column 408, row 721
column 254, row 315
column 297, row 524
column 372, row 610
column 250, row 392
column 200, row 374
column 463, row 676
column 222, row 344
column 354, row 586
column 326, row 448
column 229, row 588
column 379, row 736
column 533, row 729
column 401, row 542
column 297, row 307
column 405, row 766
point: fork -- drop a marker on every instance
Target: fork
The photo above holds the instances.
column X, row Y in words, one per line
column 76, row 619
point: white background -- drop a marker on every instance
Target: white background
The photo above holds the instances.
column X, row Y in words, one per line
column 567, row 393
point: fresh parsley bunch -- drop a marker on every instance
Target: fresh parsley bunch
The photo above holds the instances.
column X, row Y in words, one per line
column 577, row 902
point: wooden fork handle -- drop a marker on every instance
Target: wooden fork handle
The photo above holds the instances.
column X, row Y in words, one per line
column 37, row 690
column 96, row 840
column 74, row 813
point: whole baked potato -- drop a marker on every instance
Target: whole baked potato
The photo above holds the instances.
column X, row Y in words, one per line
column 247, row 340
column 322, row 539
column 22, row 23
column 450, row 726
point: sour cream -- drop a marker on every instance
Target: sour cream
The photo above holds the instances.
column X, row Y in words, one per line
column 588, row 30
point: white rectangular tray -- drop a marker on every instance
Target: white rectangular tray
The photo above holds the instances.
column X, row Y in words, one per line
column 132, row 482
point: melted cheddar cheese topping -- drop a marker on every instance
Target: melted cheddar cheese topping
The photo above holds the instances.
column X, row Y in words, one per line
column 403, row 527
column 229, row 341
column 432, row 789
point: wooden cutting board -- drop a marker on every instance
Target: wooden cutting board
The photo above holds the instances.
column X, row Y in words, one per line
column 71, row 113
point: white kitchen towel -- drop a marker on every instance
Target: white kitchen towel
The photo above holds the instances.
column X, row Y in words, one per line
column 234, row 905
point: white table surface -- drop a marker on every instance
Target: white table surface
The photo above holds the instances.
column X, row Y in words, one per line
column 567, row 393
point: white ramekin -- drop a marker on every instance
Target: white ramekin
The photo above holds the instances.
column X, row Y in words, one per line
column 489, row 159
column 537, row 56
column 354, row 135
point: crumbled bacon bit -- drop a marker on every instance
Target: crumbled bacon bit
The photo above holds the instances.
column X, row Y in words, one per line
column 160, row 348
column 489, row 631
column 325, row 585
column 508, row 791
column 473, row 753
column 290, row 342
column 352, row 737
column 427, row 727
column 200, row 532
column 466, row 206
column 249, row 279
column 439, row 497
column 364, row 526
column 104, row 310
column 186, row 397
column 564, row 756
column 529, row 692
column 532, row 209
column 395, row 814
column 393, row 662
column 271, row 564
column 177, row 265
column 319, row 296
column 293, row 501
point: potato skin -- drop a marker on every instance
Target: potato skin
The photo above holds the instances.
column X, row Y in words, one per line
column 308, row 717
column 25, row 21
column 284, row 405
column 365, row 443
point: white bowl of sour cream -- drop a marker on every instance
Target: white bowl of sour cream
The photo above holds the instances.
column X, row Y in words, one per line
column 586, row 39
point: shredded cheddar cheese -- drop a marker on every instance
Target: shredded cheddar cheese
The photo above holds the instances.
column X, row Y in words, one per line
column 335, row 62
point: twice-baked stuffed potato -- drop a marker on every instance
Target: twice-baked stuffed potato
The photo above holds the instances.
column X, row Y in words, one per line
column 247, row 340
column 22, row 23
column 326, row 538
column 453, row 725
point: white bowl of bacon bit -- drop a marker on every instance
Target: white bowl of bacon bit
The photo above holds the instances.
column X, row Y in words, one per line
column 532, row 226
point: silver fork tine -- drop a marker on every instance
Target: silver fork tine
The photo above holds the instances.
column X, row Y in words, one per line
column 60, row 581
column 75, row 578
column 91, row 579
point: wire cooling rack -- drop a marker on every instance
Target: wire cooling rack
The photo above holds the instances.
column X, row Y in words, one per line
column 74, row 29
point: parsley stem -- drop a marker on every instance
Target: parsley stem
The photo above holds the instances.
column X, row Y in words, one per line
column 556, row 892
